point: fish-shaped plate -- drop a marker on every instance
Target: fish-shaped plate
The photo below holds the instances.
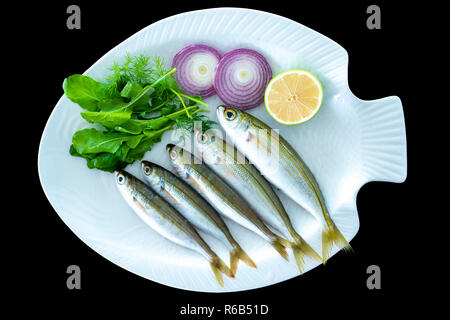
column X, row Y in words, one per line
column 348, row 143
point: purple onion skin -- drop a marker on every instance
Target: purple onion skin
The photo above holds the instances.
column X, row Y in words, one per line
column 181, row 76
column 243, row 97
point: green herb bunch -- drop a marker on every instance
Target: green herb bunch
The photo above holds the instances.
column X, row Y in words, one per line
column 136, row 104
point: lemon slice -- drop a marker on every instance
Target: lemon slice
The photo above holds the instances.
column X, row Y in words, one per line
column 293, row 97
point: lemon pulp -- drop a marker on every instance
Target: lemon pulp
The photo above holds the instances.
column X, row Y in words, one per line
column 293, row 97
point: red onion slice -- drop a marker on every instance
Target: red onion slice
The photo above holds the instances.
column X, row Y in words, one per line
column 196, row 65
column 241, row 78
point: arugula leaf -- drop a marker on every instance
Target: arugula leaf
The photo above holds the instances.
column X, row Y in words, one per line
column 75, row 153
column 103, row 161
column 111, row 104
column 85, row 91
column 107, row 119
column 131, row 90
column 169, row 108
column 120, row 113
column 149, row 133
column 137, row 153
column 145, row 145
column 122, row 152
column 135, row 126
column 94, row 141
column 106, row 162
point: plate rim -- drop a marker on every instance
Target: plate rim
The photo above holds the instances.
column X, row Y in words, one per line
column 59, row 102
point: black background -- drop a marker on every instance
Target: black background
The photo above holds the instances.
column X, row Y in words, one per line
column 380, row 65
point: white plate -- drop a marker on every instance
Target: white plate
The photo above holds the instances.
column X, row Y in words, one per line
column 349, row 143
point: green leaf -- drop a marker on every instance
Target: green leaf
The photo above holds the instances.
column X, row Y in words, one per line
column 74, row 152
column 169, row 108
column 155, row 134
column 103, row 161
column 131, row 90
column 145, row 145
column 134, row 102
column 122, row 152
column 106, row 162
column 152, row 137
column 184, row 122
column 119, row 112
column 85, row 91
column 95, row 141
column 107, row 119
column 134, row 126
column 111, row 104
column 142, row 104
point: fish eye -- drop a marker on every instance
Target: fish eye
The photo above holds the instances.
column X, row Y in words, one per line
column 203, row 138
column 173, row 155
column 230, row 114
column 147, row 170
column 120, row 178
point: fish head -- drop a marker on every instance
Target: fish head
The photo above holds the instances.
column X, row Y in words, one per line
column 201, row 139
column 179, row 157
column 132, row 189
column 124, row 182
column 232, row 119
column 174, row 152
column 147, row 167
column 209, row 143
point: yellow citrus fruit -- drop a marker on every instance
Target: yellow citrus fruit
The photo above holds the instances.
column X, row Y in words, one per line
column 293, row 97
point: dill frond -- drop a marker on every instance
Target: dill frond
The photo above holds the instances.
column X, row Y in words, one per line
column 187, row 123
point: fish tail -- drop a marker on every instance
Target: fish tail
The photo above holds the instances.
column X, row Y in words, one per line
column 219, row 267
column 331, row 235
column 280, row 245
column 302, row 249
column 239, row 254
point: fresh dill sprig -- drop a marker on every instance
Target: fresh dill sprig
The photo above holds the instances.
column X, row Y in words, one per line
column 139, row 69
column 158, row 65
column 188, row 123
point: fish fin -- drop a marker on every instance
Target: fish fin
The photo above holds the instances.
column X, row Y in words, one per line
column 239, row 254
column 218, row 275
column 285, row 243
column 279, row 244
column 331, row 235
column 219, row 267
column 302, row 249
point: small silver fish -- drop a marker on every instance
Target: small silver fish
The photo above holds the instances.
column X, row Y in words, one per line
column 221, row 196
column 235, row 170
column 165, row 220
column 283, row 167
column 194, row 208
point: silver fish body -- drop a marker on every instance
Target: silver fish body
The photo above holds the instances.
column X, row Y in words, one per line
column 235, row 169
column 166, row 220
column 282, row 166
column 232, row 166
column 194, row 208
column 221, row 196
